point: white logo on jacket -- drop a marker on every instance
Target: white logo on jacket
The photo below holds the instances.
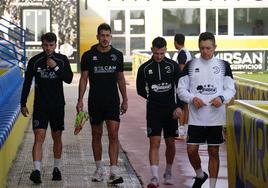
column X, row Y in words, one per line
column 95, row 58
column 162, row 87
column 104, row 69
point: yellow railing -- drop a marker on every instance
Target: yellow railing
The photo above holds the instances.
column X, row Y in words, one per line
column 247, row 144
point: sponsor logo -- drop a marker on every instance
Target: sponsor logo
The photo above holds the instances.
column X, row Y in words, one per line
column 46, row 73
column 240, row 60
column 104, row 69
column 162, row 87
column 150, row 71
column 207, row 89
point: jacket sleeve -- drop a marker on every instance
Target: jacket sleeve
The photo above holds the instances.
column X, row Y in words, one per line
column 29, row 74
column 140, row 83
column 177, row 74
column 183, row 90
column 64, row 71
column 228, row 84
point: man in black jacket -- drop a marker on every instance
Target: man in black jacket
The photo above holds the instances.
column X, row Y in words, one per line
column 50, row 70
column 156, row 82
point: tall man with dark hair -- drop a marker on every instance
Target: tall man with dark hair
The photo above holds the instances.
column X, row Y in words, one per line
column 184, row 56
column 50, row 70
column 102, row 66
column 156, row 82
column 207, row 84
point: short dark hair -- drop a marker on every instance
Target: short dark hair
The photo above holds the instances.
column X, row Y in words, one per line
column 159, row 42
column 206, row 36
column 50, row 37
column 104, row 26
column 179, row 38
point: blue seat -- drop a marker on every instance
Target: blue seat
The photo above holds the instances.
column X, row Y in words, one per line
column 10, row 91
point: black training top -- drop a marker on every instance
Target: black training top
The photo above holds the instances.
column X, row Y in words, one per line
column 157, row 82
column 102, row 70
column 48, row 81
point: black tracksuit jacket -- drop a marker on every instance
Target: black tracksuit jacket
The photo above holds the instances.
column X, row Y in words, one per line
column 48, row 81
column 157, row 82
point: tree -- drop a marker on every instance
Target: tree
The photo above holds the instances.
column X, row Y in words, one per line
column 2, row 7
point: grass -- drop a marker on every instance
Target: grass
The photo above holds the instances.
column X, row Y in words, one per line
column 260, row 77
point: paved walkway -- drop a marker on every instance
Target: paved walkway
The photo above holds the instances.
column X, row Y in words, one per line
column 77, row 160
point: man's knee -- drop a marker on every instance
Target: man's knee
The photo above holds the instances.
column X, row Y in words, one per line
column 170, row 143
column 96, row 132
column 39, row 136
column 213, row 152
column 192, row 150
column 113, row 136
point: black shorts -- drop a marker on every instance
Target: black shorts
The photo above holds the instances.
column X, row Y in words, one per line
column 54, row 116
column 160, row 118
column 99, row 113
column 210, row 135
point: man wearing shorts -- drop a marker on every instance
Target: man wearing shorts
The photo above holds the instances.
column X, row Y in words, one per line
column 184, row 56
column 156, row 82
column 206, row 85
column 50, row 70
column 103, row 67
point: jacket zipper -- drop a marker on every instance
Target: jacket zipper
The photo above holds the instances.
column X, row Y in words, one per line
column 159, row 73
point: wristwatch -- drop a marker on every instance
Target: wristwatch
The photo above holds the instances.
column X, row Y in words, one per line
column 222, row 98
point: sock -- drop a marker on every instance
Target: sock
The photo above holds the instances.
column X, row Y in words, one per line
column 154, row 170
column 99, row 164
column 212, row 182
column 199, row 173
column 37, row 165
column 113, row 169
column 168, row 169
column 57, row 162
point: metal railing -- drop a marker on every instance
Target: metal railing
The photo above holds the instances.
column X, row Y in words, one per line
column 16, row 36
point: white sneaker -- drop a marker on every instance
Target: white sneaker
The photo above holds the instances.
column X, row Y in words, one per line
column 114, row 179
column 98, row 175
column 168, row 180
column 154, row 183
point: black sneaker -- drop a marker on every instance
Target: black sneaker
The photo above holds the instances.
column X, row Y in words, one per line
column 56, row 174
column 199, row 181
column 36, row 176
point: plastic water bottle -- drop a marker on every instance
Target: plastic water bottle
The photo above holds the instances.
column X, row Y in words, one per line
column 182, row 134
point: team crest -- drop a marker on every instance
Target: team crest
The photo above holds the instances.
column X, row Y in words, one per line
column 113, row 57
column 216, row 70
